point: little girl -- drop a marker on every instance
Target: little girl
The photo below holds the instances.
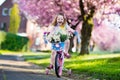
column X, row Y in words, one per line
column 60, row 23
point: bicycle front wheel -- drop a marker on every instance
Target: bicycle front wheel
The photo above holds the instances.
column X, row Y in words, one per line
column 58, row 64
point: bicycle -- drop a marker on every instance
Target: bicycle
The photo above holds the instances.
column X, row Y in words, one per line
column 59, row 58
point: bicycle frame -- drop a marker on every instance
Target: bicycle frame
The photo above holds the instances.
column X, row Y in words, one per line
column 59, row 57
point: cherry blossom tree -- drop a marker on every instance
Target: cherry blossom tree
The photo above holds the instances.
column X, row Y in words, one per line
column 91, row 12
column 45, row 10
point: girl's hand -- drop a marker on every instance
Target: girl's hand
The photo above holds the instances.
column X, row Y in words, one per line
column 76, row 33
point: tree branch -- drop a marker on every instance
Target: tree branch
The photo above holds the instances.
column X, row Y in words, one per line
column 81, row 9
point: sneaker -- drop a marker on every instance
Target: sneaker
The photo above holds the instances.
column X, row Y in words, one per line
column 50, row 66
column 73, row 49
column 69, row 72
column 67, row 55
column 47, row 71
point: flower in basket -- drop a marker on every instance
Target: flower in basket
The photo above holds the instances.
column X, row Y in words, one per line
column 58, row 36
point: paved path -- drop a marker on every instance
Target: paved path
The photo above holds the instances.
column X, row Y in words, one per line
column 13, row 68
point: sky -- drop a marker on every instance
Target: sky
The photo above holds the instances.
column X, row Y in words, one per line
column 1, row 1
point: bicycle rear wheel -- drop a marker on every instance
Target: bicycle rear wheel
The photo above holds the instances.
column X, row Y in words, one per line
column 58, row 64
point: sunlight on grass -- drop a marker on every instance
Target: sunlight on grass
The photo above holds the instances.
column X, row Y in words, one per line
column 11, row 52
column 91, row 57
column 87, row 64
column 35, row 53
column 102, row 66
column 40, row 61
column 6, row 51
column 94, row 60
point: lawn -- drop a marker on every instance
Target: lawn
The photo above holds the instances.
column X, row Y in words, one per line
column 100, row 66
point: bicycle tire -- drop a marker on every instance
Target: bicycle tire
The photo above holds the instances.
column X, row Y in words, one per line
column 57, row 64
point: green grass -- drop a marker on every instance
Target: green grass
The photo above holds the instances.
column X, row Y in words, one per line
column 100, row 66
column 41, row 59
column 105, row 66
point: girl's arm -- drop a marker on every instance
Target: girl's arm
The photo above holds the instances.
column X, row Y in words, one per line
column 69, row 29
column 74, row 32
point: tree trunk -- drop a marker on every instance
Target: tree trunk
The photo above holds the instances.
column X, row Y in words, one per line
column 86, row 34
column 86, row 28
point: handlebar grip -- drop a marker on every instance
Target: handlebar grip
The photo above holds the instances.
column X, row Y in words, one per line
column 45, row 37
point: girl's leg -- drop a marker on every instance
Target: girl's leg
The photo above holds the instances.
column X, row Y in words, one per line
column 74, row 44
column 67, row 44
column 78, row 47
column 52, row 59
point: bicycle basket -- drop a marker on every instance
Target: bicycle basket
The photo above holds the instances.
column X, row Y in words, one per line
column 58, row 46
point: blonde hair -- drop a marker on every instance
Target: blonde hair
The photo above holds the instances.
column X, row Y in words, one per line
column 54, row 23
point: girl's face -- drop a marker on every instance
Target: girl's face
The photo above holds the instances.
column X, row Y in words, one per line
column 60, row 20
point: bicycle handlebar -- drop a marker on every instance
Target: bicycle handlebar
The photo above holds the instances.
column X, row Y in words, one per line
column 76, row 34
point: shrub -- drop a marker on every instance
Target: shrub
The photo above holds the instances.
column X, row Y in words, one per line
column 13, row 42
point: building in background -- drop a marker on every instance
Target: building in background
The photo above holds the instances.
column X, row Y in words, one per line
column 28, row 27
column 5, row 8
